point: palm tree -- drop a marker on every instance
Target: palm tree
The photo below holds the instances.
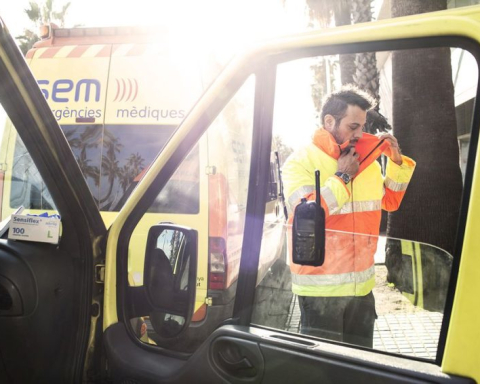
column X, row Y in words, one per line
column 110, row 167
column 283, row 149
column 89, row 138
column 323, row 12
column 125, row 177
column 359, row 69
column 40, row 16
column 366, row 73
column 130, row 170
column 422, row 81
column 135, row 163
column 111, row 171
column 89, row 170
column 111, row 143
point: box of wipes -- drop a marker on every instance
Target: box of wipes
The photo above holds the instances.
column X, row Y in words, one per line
column 42, row 228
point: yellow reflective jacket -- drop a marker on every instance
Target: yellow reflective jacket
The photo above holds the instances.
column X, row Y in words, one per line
column 353, row 212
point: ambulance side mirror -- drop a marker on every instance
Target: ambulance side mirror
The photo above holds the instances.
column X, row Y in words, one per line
column 170, row 276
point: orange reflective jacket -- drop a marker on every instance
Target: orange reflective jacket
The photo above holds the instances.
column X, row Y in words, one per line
column 353, row 211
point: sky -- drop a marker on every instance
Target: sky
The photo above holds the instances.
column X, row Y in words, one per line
column 226, row 24
column 248, row 17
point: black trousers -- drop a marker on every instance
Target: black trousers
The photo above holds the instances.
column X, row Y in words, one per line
column 348, row 319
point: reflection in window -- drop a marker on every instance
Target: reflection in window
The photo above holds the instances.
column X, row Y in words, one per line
column 181, row 193
column 128, row 151
column 114, row 159
column 86, row 144
column 219, row 166
column 428, row 109
column 27, row 186
column 171, row 243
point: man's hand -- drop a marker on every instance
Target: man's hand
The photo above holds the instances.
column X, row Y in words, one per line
column 395, row 152
column 348, row 162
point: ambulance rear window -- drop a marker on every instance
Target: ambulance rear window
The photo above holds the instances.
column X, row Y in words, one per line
column 114, row 158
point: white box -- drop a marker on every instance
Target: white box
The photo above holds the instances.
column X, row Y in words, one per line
column 34, row 228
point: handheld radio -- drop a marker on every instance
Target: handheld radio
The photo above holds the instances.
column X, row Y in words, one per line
column 309, row 230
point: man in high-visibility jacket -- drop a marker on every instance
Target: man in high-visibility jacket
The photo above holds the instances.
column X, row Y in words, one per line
column 336, row 299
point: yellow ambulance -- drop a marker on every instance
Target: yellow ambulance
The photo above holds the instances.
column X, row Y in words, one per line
column 118, row 95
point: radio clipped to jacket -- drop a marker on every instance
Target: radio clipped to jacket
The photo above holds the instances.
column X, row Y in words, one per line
column 309, row 230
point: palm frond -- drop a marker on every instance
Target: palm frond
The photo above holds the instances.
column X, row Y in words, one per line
column 322, row 11
column 376, row 122
column 33, row 12
column 60, row 15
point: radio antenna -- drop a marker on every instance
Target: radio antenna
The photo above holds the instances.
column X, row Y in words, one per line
column 317, row 186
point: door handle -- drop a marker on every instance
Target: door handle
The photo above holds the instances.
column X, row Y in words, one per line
column 234, row 366
column 237, row 360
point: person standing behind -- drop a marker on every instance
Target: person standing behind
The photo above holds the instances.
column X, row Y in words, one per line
column 336, row 299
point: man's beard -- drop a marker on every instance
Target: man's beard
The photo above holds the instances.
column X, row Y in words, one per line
column 336, row 135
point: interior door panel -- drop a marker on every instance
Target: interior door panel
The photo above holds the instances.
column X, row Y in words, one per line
column 37, row 314
column 235, row 354
column 45, row 290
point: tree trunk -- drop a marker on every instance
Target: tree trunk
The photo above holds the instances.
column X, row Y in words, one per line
column 347, row 62
column 366, row 72
column 347, row 68
column 424, row 124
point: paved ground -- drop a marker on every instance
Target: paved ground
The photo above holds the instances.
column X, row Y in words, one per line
column 413, row 334
column 400, row 327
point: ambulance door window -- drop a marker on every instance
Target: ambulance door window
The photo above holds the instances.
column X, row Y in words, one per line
column 410, row 248
column 211, row 184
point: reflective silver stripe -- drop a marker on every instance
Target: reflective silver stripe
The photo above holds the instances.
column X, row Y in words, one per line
column 394, row 186
column 339, row 279
column 359, row 206
column 330, row 200
column 298, row 194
